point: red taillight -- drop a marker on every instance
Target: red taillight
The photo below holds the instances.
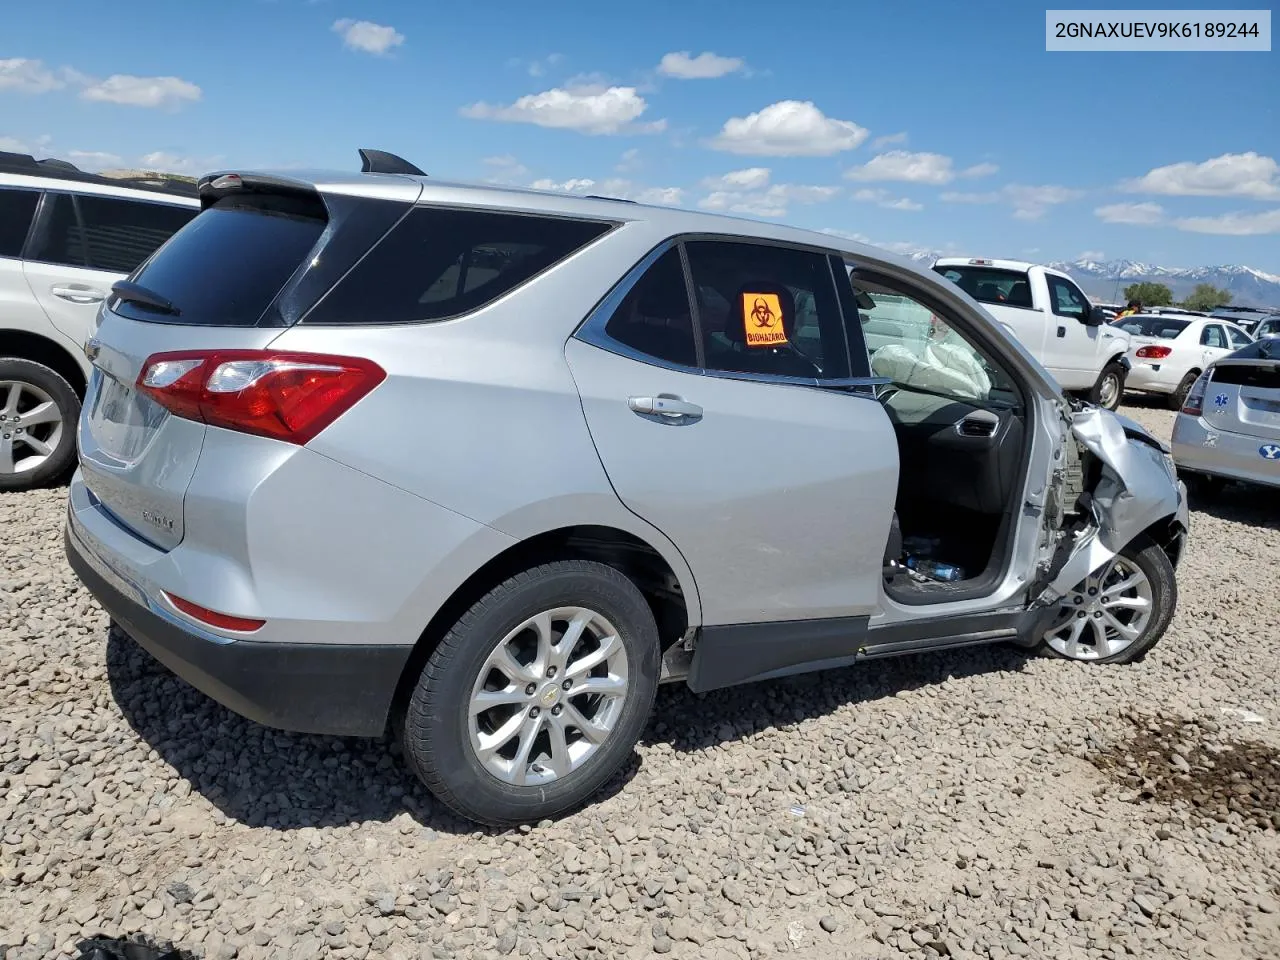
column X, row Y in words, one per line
column 222, row 621
column 1194, row 404
column 1154, row 353
column 286, row 396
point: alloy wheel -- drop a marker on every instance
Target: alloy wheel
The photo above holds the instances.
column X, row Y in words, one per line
column 1104, row 615
column 30, row 426
column 548, row 696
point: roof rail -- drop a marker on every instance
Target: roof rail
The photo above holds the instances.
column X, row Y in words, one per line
column 596, row 196
column 28, row 165
column 379, row 161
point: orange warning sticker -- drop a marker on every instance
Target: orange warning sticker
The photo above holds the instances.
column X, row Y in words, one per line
column 762, row 316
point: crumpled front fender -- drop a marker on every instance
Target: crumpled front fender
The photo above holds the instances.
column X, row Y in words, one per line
column 1139, row 488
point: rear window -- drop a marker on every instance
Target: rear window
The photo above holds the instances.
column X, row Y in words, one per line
column 1263, row 376
column 105, row 233
column 1163, row 328
column 989, row 285
column 439, row 263
column 17, row 207
column 226, row 267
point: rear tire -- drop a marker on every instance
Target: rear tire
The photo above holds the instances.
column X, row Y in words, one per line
column 494, row 728
column 1109, row 390
column 1179, row 395
column 39, row 411
column 1094, row 627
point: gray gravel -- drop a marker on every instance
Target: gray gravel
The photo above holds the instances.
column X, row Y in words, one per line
column 974, row 804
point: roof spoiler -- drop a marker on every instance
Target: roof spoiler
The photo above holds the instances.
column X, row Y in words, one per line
column 379, row 161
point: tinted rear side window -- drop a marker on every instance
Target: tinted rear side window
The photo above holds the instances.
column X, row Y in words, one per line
column 440, row 263
column 228, row 264
column 120, row 234
column 16, row 210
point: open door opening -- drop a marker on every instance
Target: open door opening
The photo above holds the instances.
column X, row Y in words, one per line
column 963, row 433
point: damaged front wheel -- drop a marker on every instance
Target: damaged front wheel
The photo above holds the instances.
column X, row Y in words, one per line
column 1119, row 612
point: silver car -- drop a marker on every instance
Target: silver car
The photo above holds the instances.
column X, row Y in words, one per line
column 1229, row 426
column 485, row 466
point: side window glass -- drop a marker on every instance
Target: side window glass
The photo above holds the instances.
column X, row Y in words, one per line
column 1067, row 299
column 1007, row 288
column 1238, row 338
column 767, row 310
column 17, row 207
column 60, row 240
column 919, row 351
column 119, row 234
column 1214, row 337
column 654, row 318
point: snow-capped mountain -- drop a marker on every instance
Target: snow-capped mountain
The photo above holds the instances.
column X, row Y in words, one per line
column 1105, row 280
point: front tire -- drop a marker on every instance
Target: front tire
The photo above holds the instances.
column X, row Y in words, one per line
column 1109, row 390
column 536, row 696
column 1120, row 611
column 38, row 415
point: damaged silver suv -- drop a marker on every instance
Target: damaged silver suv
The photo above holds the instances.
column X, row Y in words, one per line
column 485, row 466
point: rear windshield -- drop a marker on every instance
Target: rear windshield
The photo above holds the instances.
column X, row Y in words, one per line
column 989, row 285
column 1261, row 376
column 228, row 264
column 1162, row 328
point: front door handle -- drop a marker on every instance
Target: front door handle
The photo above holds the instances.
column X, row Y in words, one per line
column 78, row 293
column 673, row 407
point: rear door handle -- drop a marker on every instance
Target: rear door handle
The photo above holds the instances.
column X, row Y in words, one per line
column 672, row 407
column 78, row 293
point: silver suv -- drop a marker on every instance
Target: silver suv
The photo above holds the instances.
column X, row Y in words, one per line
column 65, row 237
column 487, row 465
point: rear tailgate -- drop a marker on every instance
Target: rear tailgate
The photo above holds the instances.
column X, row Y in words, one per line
column 1243, row 397
column 233, row 279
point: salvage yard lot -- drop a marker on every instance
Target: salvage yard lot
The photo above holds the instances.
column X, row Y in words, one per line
column 973, row 804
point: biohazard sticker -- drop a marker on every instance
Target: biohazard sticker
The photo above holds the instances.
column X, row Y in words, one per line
column 762, row 316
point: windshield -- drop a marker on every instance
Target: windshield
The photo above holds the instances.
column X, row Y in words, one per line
column 1162, row 328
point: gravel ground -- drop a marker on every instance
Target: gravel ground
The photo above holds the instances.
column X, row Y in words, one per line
column 971, row 804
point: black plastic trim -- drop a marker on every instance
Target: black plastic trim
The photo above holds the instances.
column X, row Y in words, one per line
column 337, row 690
column 726, row 656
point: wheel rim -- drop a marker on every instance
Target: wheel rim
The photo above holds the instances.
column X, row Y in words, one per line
column 1110, row 390
column 548, row 697
column 1105, row 615
column 30, row 427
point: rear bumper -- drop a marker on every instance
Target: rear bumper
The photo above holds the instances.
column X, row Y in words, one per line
column 1153, row 378
column 1199, row 448
column 342, row 690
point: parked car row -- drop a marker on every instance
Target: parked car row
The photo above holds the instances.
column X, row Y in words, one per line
column 65, row 237
column 584, row 446
column 1169, row 351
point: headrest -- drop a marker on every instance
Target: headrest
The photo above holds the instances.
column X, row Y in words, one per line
column 762, row 315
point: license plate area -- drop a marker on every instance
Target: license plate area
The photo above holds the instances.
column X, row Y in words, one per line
column 121, row 420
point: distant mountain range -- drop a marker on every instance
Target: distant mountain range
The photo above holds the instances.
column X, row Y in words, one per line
column 1104, row 281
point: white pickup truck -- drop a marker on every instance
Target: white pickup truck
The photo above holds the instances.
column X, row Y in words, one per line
column 1048, row 312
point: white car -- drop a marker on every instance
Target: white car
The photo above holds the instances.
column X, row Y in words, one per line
column 1169, row 351
column 1048, row 312
column 65, row 237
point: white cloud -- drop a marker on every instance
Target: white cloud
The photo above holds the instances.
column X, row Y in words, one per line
column 506, row 169
column 614, row 187
column 705, row 66
column 884, row 199
column 28, row 76
column 752, row 178
column 94, row 159
column 906, row 167
column 538, row 68
column 588, row 110
column 1083, row 255
column 572, row 185
column 1230, row 175
column 980, row 170
column 18, row 145
column 368, row 37
column 788, row 128
column 889, row 140
column 662, row 196
column 1233, row 224
column 164, row 162
column 959, row 196
column 629, row 161
column 749, row 192
column 1143, row 214
column 142, row 91
column 1032, row 202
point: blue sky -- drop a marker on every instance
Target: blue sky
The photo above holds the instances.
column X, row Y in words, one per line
column 914, row 125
